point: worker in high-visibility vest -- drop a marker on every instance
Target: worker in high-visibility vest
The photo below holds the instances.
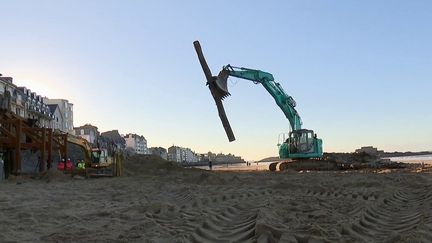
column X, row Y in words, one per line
column 81, row 165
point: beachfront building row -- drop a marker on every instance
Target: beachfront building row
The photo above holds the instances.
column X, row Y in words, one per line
column 220, row 157
column 133, row 143
column 106, row 139
column 35, row 108
column 186, row 155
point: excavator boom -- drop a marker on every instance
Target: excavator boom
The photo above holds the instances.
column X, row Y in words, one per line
column 285, row 102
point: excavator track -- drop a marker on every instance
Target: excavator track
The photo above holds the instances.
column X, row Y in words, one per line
column 304, row 164
column 337, row 161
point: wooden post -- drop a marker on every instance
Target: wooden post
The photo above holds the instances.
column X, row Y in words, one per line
column 42, row 151
column 118, row 164
column 17, row 157
column 7, row 163
column 49, row 145
column 65, row 144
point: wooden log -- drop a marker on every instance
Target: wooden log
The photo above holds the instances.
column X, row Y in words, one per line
column 211, row 84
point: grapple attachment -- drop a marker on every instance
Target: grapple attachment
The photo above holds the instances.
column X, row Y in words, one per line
column 221, row 84
column 218, row 88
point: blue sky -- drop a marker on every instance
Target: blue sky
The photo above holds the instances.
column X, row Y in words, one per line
column 359, row 71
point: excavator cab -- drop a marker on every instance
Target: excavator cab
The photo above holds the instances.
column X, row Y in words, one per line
column 303, row 143
column 95, row 156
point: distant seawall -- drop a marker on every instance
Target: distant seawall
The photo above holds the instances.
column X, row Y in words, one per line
column 206, row 163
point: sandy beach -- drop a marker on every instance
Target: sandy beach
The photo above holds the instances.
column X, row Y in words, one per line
column 165, row 203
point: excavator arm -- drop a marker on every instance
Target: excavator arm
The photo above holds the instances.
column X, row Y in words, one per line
column 285, row 102
column 84, row 145
column 81, row 142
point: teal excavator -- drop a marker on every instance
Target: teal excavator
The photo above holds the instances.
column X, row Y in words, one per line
column 301, row 144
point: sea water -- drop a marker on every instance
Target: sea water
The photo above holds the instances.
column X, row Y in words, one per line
column 413, row 159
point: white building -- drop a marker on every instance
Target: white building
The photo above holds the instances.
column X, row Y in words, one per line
column 174, row 154
column 66, row 109
column 179, row 154
column 88, row 132
column 57, row 121
column 137, row 143
column 189, row 156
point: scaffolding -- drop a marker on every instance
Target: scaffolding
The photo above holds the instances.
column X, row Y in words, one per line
column 18, row 134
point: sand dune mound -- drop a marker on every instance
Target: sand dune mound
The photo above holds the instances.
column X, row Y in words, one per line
column 207, row 206
column 149, row 164
column 210, row 178
column 55, row 175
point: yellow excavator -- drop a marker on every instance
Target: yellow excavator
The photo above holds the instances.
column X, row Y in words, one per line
column 97, row 161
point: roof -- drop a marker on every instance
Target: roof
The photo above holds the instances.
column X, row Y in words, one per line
column 134, row 135
column 114, row 136
column 88, row 126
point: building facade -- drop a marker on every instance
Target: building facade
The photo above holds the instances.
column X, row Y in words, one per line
column 136, row 143
column 88, row 132
column 181, row 155
column 24, row 103
column 159, row 151
column 221, row 158
column 228, row 158
column 113, row 138
column 66, row 110
column 57, row 121
column 174, row 154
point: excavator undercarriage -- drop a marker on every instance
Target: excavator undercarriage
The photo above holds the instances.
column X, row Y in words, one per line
column 337, row 161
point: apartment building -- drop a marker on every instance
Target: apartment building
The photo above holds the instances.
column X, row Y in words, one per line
column 180, row 154
column 174, row 154
column 159, row 151
column 88, row 132
column 113, row 138
column 24, row 103
column 136, row 143
column 66, row 110
column 57, row 121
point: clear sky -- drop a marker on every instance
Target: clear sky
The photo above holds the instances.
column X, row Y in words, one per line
column 360, row 71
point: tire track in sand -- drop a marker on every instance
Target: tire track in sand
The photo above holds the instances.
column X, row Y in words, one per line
column 232, row 224
column 406, row 210
column 233, row 218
